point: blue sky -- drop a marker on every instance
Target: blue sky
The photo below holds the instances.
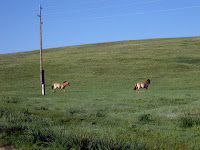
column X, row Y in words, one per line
column 74, row 22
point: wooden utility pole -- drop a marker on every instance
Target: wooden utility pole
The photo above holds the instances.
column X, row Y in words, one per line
column 41, row 69
column 40, row 43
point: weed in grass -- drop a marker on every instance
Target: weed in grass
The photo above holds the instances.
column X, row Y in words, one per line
column 132, row 125
column 101, row 113
column 145, row 118
column 41, row 108
column 74, row 110
column 189, row 121
column 14, row 100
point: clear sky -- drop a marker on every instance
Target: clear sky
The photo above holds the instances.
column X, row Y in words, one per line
column 74, row 22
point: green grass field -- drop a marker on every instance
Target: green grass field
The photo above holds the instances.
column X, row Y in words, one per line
column 100, row 110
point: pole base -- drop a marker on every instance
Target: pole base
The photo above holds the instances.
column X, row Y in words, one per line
column 43, row 89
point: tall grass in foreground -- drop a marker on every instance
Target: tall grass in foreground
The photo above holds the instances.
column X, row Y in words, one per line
column 21, row 129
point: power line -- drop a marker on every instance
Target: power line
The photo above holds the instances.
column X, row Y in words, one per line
column 81, row 3
column 62, row 12
column 88, row 2
column 120, row 15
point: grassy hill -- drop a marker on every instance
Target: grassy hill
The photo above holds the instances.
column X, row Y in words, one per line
column 100, row 110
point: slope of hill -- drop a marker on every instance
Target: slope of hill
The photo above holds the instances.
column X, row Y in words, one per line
column 100, row 103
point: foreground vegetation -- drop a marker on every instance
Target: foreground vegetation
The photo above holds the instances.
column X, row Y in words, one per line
column 100, row 110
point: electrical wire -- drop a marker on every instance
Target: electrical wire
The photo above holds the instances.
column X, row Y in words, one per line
column 81, row 3
column 63, row 12
column 120, row 15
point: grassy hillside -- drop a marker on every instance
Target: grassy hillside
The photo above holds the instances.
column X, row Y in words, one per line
column 100, row 110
